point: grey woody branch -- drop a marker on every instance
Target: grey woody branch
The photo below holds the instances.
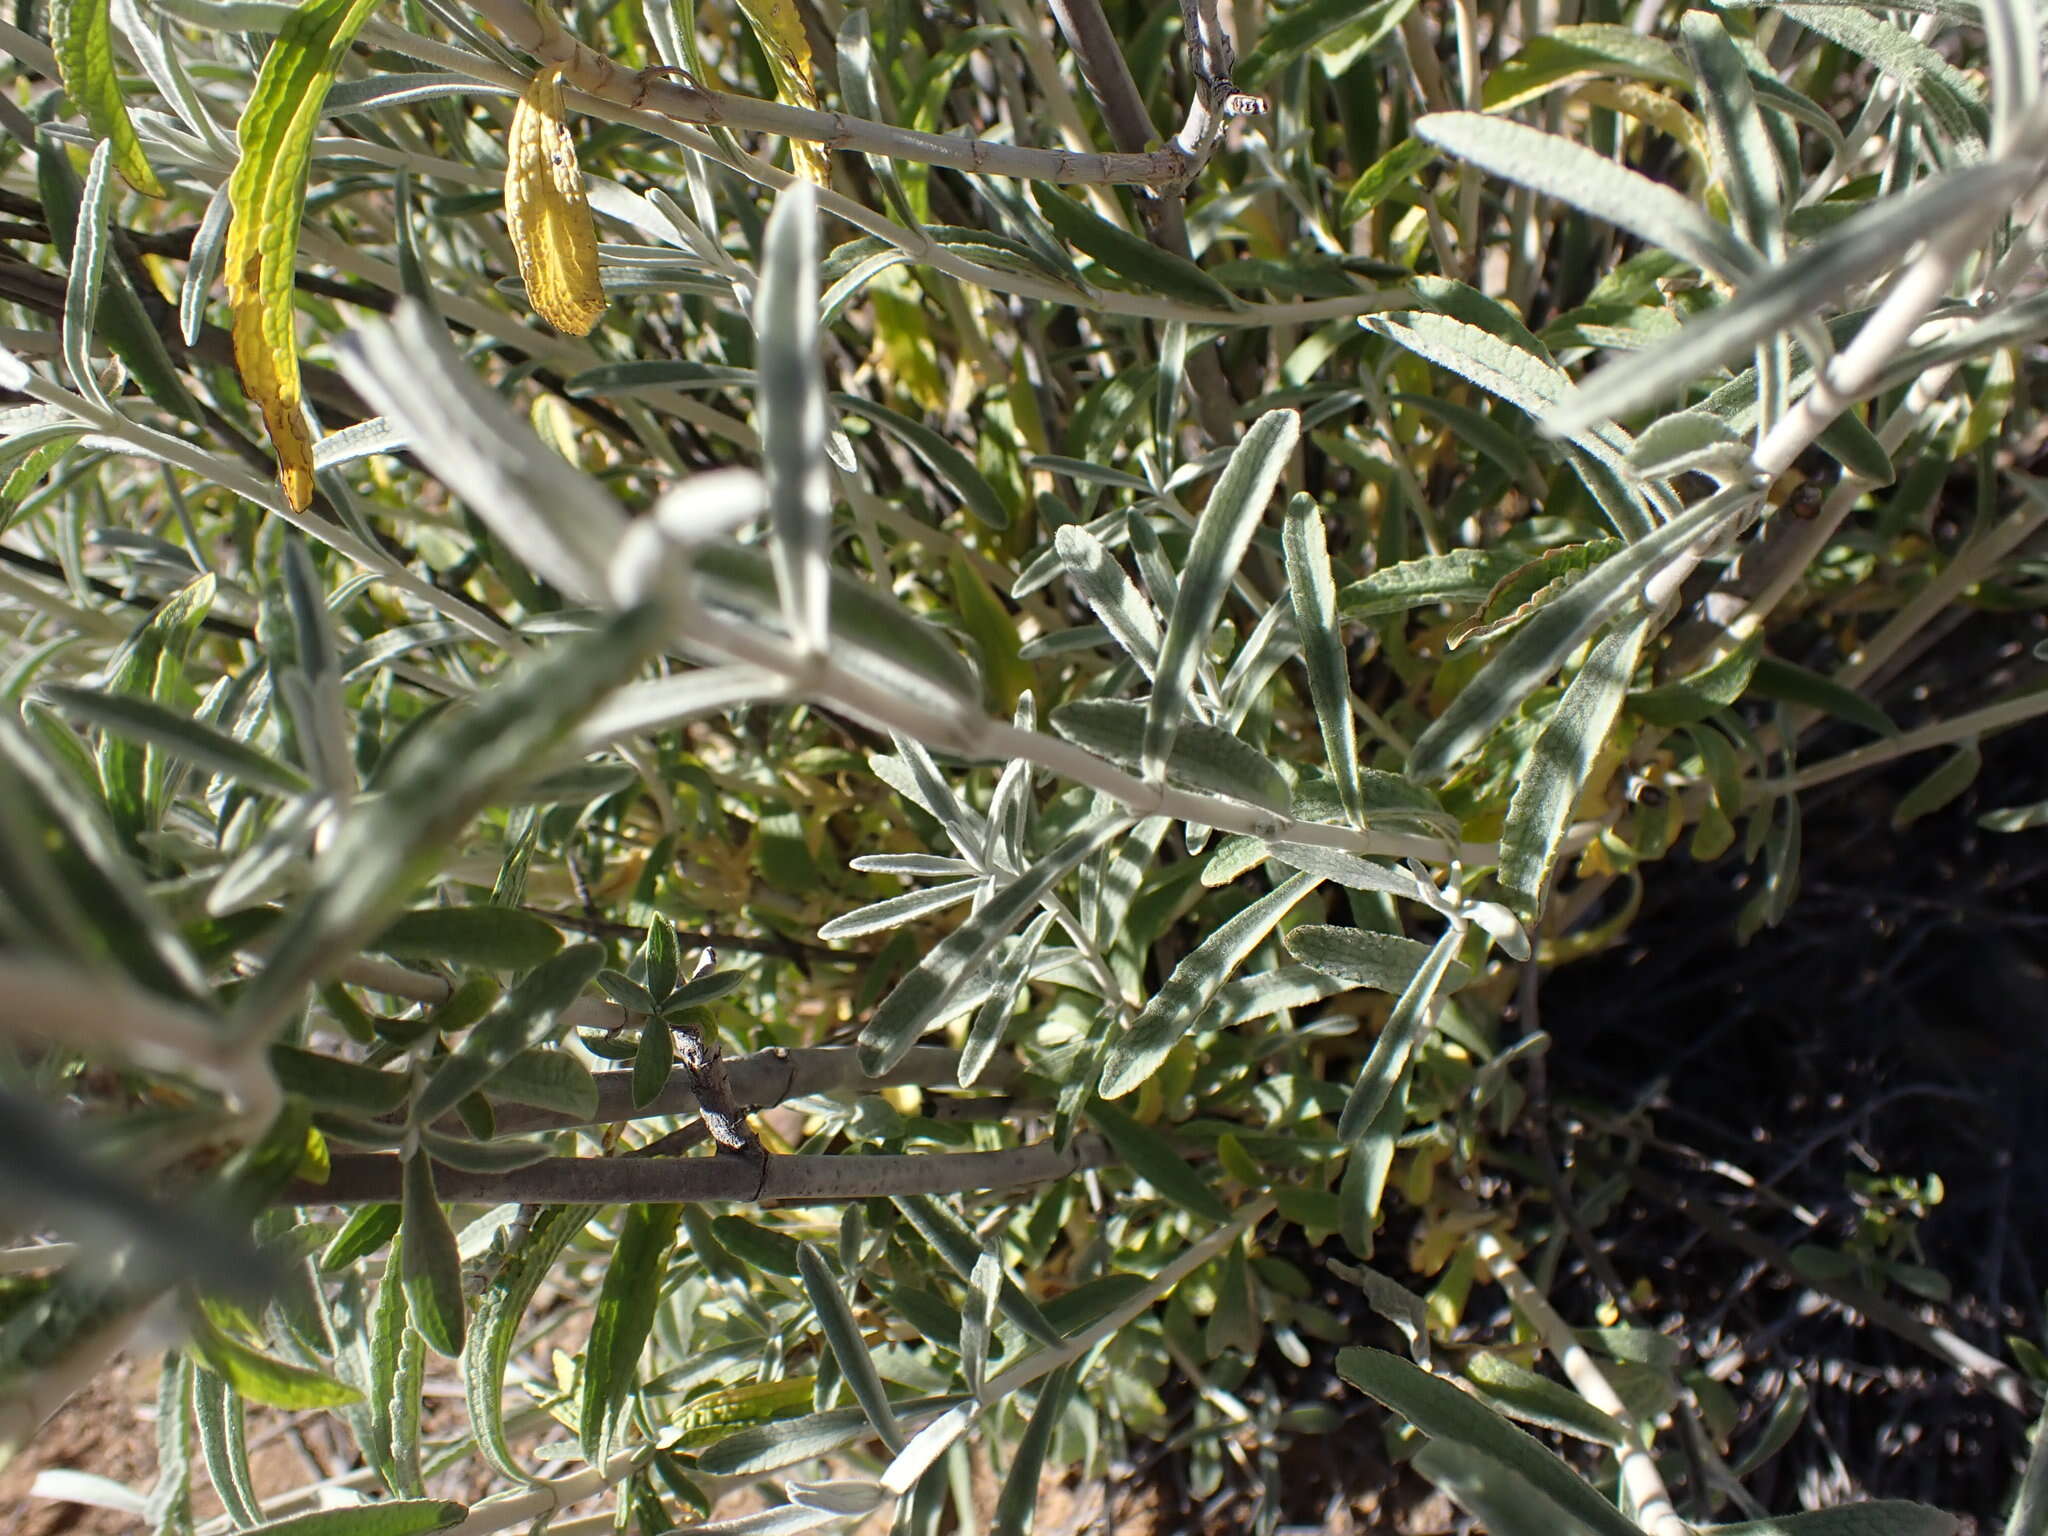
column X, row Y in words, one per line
column 373, row 1178
column 689, row 102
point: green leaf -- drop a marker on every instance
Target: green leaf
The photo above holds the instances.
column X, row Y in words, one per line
column 368, row 1228
column 842, row 1333
column 268, row 191
column 1573, row 52
column 1365, row 958
column 1393, row 170
column 1744, row 156
column 793, row 425
column 261, row 1378
column 218, row 1413
column 1859, row 249
column 1458, row 576
column 180, row 735
column 1535, row 1399
column 1555, row 773
column 1543, row 643
column 626, row 1303
column 1953, row 99
column 82, row 37
column 880, row 916
column 1204, row 757
column 956, row 1244
column 1387, row 1067
column 332, row 1083
column 1122, row 254
column 493, row 938
column 1503, row 1503
column 944, row 460
column 1561, row 168
column 1222, row 534
column 1018, row 1501
column 498, row 1314
column 1313, row 592
column 1140, row 1050
column 1444, row 1413
column 388, row 1517
column 1100, row 582
column 526, row 1016
column 985, row 1032
column 653, row 1061
column 1293, row 31
column 429, row 1264
column 919, row 1000
column 1706, row 692
column 1152, row 1158
column 1791, row 684
column 1958, row 771
column 1873, row 1517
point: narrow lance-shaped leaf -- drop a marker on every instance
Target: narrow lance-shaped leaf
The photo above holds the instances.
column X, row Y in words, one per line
column 428, row 1260
column 1561, row 168
column 985, row 1032
column 624, row 1317
column 268, row 191
column 1501, row 1501
column 1744, row 156
column 82, row 37
column 498, row 1314
column 1104, row 587
column 1222, row 534
column 1404, row 1030
column 919, row 998
column 1314, row 593
column 779, row 28
column 1019, row 1498
column 1137, row 1053
column 1554, row 776
column 1443, row 1412
column 842, row 1333
column 523, row 1018
column 387, row 1517
column 1543, row 643
column 793, row 423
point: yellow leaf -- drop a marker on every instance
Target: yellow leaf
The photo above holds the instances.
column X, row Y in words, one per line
column 779, row 26
column 546, row 211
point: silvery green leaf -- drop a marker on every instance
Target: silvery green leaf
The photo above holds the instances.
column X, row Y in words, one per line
column 1387, row 1067
column 1095, row 474
column 1018, row 1500
column 1533, row 1398
column 927, row 788
column 1689, row 441
column 1314, row 594
column 871, row 632
column 880, row 916
column 910, row 864
column 1744, row 157
column 977, row 1324
column 1393, row 1301
column 378, row 92
column 784, row 1519
column 1872, row 1517
column 1138, row 1052
column 1502, row 1501
column 1561, row 168
column 1456, row 576
column 1268, row 992
column 1551, row 780
column 1273, row 642
column 943, row 459
column 670, row 701
column 842, row 1334
column 377, row 435
column 550, row 514
column 1204, row 757
column 1542, row 644
column 1952, row 98
column 88, row 267
column 955, row 1242
column 528, row 1015
column 1859, row 249
column 927, row 1446
column 1500, row 368
column 843, row 1496
column 1102, row 585
column 1446, row 1414
column 985, row 1033
column 180, row 735
column 920, row 998
column 1363, row 958
column 2012, row 29
column 792, row 408
column 1358, row 874
column 1222, row 534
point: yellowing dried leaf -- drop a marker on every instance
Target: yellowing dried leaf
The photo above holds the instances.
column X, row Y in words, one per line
column 779, row 26
column 548, row 214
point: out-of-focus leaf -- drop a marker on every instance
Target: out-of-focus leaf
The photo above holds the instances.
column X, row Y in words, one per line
column 496, row 938
column 526, row 1016
column 626, row 1303
column 430, row 1265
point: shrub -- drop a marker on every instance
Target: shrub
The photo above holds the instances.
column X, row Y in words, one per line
column 936, row 789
